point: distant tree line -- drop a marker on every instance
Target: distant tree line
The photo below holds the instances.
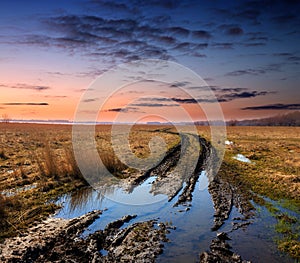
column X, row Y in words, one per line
column 5, row 118
column 289, row 119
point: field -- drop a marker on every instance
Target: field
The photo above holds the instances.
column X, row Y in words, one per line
column 37, row 165
column 274, row 172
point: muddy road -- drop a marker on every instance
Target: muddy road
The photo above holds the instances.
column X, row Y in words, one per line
column 190, row 223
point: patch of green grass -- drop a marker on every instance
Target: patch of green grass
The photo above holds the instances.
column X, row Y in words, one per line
column 293, row 205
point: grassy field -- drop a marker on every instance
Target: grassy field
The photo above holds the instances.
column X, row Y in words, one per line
column 37, row 165
column 274, row 172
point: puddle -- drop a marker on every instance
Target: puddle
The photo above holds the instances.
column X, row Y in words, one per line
column 256, row 242
column 193, row 227
column 104, row 252
column 242, row 158
column 228, row 142
column 192, row 233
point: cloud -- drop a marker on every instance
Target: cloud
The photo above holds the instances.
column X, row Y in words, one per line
column 179, row 84
column 125, row 109
column 286, row 18
column 259, row 71
column 245, row 72
column 283, row 54
column 243, row 95
column 294, row 58
column 27, row 86
column 26, row 104
column 200, row 34
column 257, row 44
column 142, row 104
column 179, row 31
column 90, row 100
column 55, row 96
column 224, row 45
column 274, row 107
column 235, row 31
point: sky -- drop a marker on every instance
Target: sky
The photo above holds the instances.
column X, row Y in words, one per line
column 246, row 52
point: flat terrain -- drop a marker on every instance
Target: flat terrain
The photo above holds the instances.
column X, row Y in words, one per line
column 272, row 178
column 37, row 165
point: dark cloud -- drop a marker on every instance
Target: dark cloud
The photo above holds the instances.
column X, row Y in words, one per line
column 286, row 18
column 274, row 107
column 188, row 46
column 283, row 54
column 235, row 31
column 179, row 84
column 125, row 109
column 259, row 71
column 26, row 104
column 55, row 96
column 113, row 39
column 245, row 72
column 185, row 101
column 27, row 86
column 294, row 58
column 178, row 31
column 243, row 95
column 222, row 95
column 256, row 44
column 201, row 34
column 208, row 79
column 90, row 100
column 224, row 45
column 143, row 104
column 231, row 29
column 289, row 57
column 258, row 38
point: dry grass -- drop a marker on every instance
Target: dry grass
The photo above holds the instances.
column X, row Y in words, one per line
column 275, row 152
column 42, row 156
column 274, row 173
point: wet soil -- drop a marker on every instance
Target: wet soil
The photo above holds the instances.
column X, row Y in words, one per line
column 59, row 240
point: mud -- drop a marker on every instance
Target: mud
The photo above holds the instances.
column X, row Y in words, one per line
column 225, row 194
column 58, row 240
column 220, row 251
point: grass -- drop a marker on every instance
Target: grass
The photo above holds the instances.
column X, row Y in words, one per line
column 273, row 173
column 42, row 155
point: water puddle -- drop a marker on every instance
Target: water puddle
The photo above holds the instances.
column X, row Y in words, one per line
column 242, row 158
column 193, row 223
column 228, row 142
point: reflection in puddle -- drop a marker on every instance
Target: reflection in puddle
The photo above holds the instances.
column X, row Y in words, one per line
column 193, row 227
column 192, row 233
column 140, row 195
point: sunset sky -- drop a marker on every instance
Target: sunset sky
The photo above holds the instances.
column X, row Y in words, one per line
column 246, row 51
